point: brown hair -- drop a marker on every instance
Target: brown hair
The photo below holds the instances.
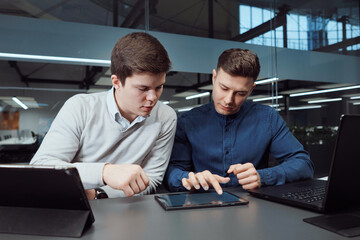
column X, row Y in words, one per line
column 138, row 52
column 239, row 62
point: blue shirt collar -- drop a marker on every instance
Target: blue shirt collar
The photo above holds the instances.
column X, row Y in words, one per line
column 233, row 116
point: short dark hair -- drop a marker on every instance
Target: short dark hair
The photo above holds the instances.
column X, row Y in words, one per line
column 239, row 62
column 138, row 52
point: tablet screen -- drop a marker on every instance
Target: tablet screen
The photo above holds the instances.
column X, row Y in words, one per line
column 197, row 200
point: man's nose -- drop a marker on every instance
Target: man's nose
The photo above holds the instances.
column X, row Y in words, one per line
column 228, row 98
column 151, row 96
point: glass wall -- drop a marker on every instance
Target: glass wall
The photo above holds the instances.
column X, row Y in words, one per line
column 309, row 51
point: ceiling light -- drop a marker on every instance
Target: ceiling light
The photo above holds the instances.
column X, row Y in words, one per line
column 15, row 99
column 264, row 81
column 165, row 102
column 53, row 58
column 200, row 95
column 356, row 103
column 324, row 91
column 355, row 97
column 304, row 107
column 273, row 105
column 266, row 98
column 184, row 109
column 325, row 100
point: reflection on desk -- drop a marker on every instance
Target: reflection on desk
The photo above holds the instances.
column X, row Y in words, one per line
column 17, row 141
column 15, row 150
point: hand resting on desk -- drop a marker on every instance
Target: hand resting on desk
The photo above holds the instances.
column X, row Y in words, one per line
column 129, row 178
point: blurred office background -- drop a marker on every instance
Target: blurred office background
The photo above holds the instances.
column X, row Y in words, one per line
column 309, row 52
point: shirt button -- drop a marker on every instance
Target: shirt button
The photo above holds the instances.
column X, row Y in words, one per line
column 227, row 152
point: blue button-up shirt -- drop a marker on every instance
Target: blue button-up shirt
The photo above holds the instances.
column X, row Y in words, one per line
column 207, row 140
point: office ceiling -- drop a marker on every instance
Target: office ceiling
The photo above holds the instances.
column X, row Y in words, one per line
column 188, row 17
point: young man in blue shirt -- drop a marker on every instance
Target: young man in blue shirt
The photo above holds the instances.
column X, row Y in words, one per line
column 228, row 141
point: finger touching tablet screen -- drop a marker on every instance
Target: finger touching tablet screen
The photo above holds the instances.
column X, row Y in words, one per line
column 198, row 200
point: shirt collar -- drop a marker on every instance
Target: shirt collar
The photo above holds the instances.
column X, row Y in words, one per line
column 233, row 116
column 115, row 113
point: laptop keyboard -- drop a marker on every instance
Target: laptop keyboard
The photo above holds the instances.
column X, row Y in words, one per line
column 308, row 195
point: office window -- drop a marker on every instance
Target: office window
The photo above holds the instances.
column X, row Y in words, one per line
column 305, row 31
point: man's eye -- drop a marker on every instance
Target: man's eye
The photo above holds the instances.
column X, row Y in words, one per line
column 159, row 88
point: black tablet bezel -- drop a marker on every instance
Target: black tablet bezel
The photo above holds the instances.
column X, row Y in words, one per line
column 42, row 186
column 158, row 198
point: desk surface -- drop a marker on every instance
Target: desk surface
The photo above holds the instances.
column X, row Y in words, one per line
column 143, row 218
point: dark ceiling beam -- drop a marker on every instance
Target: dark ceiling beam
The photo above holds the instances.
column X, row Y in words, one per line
column 211, row 18
column 137, row 13
column 13, row 64
column 138, row 19
column 339, row 45
column 90, row 76
column 272, row 24
column 139, row 5
column 115, row 12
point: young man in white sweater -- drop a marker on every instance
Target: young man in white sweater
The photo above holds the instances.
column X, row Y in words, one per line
column 120, row 141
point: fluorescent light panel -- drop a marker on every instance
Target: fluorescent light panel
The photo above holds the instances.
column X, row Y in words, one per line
column 274, row 105
column 304, row 107
column 184, row 109
column 356, row 103
column 268, row 80
column 325, row 100
column 15, row 99
column 200, row 95
column 53, row 58
column 165, row 102
column 324, row 91
column 355, row 97
column 266, row 98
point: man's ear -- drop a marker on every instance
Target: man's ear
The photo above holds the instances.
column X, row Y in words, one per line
column 213, row 76
column 115, row 81
column 252, row 88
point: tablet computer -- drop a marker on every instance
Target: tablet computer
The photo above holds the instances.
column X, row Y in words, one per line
column 186, row 200
column 43, row 200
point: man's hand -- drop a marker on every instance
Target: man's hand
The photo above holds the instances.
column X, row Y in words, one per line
column 246, row 174
column 129, row 178
column 204, row 179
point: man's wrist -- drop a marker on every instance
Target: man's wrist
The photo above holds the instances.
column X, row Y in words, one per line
column 100, row 193
column 103, row 173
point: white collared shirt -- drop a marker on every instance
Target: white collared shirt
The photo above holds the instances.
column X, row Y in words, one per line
column 114, row 110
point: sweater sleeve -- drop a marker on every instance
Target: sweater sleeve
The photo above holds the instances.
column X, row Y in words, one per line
column 156, row 161
column 62, row 142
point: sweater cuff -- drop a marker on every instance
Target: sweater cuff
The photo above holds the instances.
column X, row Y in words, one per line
column 91, row 174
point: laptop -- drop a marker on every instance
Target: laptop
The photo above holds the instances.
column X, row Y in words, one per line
column 340, row 191
column 43, row 200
